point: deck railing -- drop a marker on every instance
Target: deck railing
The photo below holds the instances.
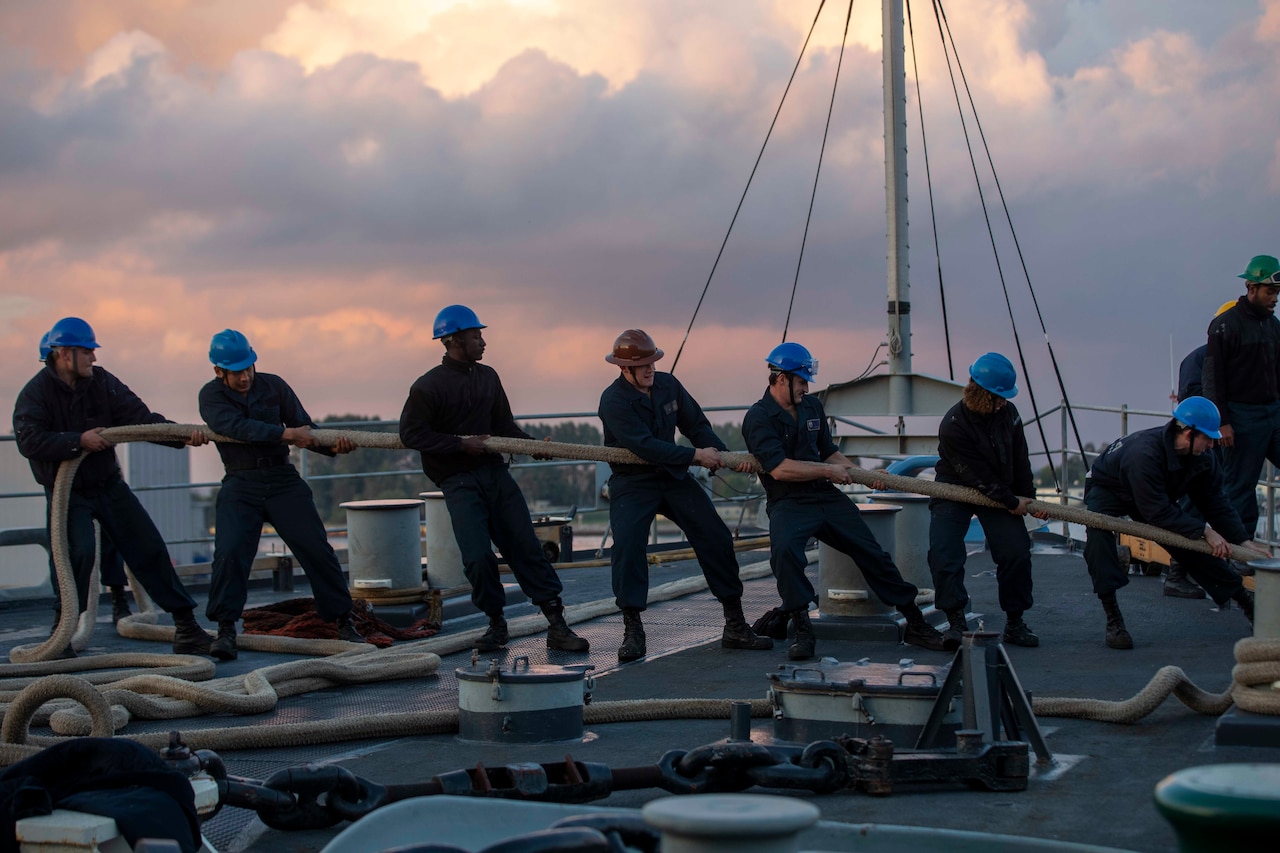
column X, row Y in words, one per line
column 1064, row 455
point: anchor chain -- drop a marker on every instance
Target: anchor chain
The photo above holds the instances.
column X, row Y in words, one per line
column 318, row 796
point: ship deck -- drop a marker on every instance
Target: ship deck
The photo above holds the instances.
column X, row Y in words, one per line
column 1099, row 791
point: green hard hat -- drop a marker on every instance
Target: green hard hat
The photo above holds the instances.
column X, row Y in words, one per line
column 1262, row 268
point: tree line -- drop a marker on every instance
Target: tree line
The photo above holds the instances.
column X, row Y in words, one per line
column 397, row 474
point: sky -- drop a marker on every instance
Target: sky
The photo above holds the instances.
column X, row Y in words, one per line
column 325, row 175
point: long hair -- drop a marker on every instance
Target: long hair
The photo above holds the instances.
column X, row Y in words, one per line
column 978, row 399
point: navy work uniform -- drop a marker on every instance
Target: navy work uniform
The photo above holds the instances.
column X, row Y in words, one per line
column 48, row 420
column 799, row 511
column 987, row 453
column 1142, row 476
column 1242, row 378
column 261, row 485
column 485, row 504
column 646, row 425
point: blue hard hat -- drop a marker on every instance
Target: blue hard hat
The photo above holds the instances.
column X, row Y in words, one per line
column 44, row 347
column 1200, row 414
column 793, row 358
column 72, row 332
column 993, row 372
column 230, row 350
column 455, row 318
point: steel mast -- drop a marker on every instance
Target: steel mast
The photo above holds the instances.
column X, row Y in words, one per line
column 902, row 393
column 895, row 189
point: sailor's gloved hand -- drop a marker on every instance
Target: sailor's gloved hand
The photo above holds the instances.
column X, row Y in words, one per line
column 474, row 444
column 92, row 440
column 707, row 457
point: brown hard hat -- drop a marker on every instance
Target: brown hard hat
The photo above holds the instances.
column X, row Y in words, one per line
column 634, row 348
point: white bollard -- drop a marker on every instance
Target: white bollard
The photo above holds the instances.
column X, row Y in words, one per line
column 1266, row 594
column 384, row 543
column 842, row 589
column 730, row 823
column 444, row 559
column 911, row 536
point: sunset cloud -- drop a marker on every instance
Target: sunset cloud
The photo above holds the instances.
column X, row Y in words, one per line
column 325, row 176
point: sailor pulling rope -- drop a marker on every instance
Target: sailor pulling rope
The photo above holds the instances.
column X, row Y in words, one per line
column 1258, row 660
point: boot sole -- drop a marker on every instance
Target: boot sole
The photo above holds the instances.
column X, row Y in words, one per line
column 929, row 645
column 1121, row 645
column 1173, row 592
column 224, row 655
column 755, row 646
column 565, row 647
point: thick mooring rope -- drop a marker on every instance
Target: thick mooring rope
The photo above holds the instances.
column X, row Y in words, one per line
column 1260, row 664
column 252, row 692
column 1257, row 668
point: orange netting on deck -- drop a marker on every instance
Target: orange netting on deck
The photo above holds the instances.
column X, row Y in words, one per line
column 297, row 617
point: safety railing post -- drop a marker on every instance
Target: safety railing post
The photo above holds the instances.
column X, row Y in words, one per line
column 1270, row 471
column 1124, row 419
column 1066, row 475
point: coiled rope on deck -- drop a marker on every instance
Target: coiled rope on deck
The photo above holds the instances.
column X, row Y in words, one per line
column 1257, row 668
column 70, row 720
column 1268, row 655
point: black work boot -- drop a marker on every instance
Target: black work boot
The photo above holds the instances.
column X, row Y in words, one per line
column 806, row 644
column 920, row 633
column 737, row 633
column 632, row 647
column 188, row 637
column 1244, row 597
column 1241, row 568
column 559, row 634
column 347, row 630
column 224, row 646
column 119, row 604
column 1017, row 633
column 1117, row 635
column 956, row 626
column 1178, row 585
column 495, row 637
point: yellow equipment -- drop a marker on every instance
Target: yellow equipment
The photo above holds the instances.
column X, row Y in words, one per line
column 1142, row 556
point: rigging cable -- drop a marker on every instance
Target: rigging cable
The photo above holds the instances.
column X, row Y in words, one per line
column 1053, row 359
column 821, row 152
column 747, row 188
column 872, row 365
column 928, row 179
column 1017, row 340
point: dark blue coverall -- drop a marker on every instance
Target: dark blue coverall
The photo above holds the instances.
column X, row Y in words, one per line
column 799, row 511
column 987, row 453
column 260, row 486
column 48, row 419
column 1242, row 378
column 110, row 563
column 646, row 425
column 1191, row 384
column 1141, row 476
column 1191, row 373
column 485, row 504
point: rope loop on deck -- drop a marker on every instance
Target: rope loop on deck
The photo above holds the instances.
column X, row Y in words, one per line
column 1257, row 669
column 1258, row 662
